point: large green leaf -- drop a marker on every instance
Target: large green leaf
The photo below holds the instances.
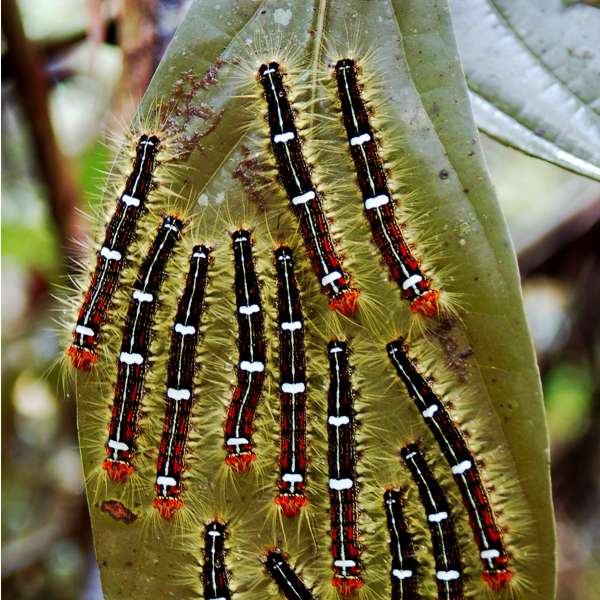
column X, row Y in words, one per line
column 533, row 71
column 422, row 87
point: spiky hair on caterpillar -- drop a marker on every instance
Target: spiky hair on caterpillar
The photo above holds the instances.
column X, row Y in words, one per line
column 180, row 385
column 292, row 387
column 140, row 179
column 251, row 366
column 132, row 348
column 207, row 418
column 463, row 465
column 363, row 136
column 446, row 550
column 280, row 137
column 135, row 348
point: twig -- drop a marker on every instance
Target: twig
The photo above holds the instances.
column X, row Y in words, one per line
column 32, row 88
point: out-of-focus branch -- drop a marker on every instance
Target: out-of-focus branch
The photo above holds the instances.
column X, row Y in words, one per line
column 137, row 36
column 145, row 28
column 32, row 88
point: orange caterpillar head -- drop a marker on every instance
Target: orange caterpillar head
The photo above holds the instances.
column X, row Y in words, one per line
column 346, row 303
column 427, row 304
column 347, row 585
column 291, row 504
column 241, row 463
column 167, row 507
column 117, row 470
column 497, row 580
column 82, row 358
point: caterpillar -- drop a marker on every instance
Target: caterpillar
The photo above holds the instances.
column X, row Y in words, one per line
column 131, row 362
column 305, row 200
column 448, row 566
column 342, row 476
column 112, row 254
column 377, row 199
column 252, row 356
column 215, row 581
column 492, row 553
column 292, row 387
column 180, row 384
column 288, row 582
column 404, row 571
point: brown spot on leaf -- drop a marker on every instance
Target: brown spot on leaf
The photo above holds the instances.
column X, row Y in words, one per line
column 118, row 511
column 247, row 173
column 456, row 359
column 183, row 113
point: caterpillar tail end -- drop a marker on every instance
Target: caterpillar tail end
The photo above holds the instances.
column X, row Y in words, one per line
column 427, row 304
column 497, row 580
column 117, row 470
column 82, row 358
column 167, row 507
column 347, row 585
column 345, row 303
column 240, row 463
column 291, row 504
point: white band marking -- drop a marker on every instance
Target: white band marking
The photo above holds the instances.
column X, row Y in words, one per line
column 376, row 201
column 447, row 575
column 344, row 563
column 359, row 140
column 282, row 138
column 331, row 277
column 83, row 330
column 131, row 358
column 303, row 198
column 236, row 441
column 291, row 325
column 110, row 254
column 487, row 554
column 293, row 388
column 341, row 484
column 117, row 445
column 402, row 573
column 430, row 411
column 461, row 467
column 142, row 296
column 128, row 200
column 178, row 394
column 412, row 280
column 338, row 421
column 166, row 481
column 184, row 329
column 292, row 477
column 437, row 517
column 249, row 310
column 252, row 367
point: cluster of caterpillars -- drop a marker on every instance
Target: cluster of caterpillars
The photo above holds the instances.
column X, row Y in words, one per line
column 215, row 575
column 290, row 492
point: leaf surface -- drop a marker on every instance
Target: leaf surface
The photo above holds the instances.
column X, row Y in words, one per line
column 423, row 98
column 533, row 73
